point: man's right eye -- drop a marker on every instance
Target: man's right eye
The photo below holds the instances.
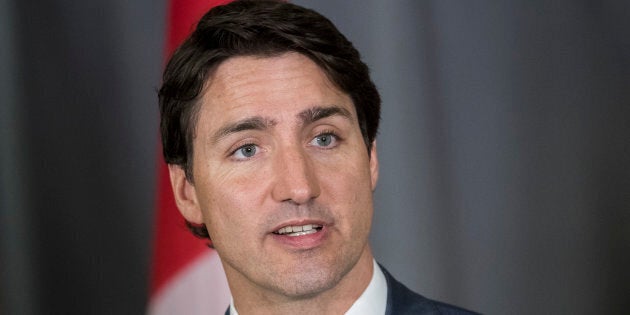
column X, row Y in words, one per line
column 245, row 152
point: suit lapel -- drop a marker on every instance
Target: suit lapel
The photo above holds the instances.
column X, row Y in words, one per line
column 389, row 309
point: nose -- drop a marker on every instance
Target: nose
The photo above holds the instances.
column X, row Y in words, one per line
column 296, row 180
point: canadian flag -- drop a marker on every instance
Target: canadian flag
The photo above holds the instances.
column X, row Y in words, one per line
column 187, row 276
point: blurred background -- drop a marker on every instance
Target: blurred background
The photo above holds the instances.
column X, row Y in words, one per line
column 504, row 151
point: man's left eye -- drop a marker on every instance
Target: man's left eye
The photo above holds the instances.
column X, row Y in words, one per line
column 325, row 140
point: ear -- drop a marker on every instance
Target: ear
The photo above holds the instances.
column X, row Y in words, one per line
column 373, row 165
column 185, row 195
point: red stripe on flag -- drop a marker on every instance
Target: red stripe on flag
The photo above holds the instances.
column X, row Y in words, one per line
column 183, row 17
column 175, row 247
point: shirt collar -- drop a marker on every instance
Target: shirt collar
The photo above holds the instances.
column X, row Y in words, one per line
column 372, row 301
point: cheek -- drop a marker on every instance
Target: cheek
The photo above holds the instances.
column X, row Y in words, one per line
column 227, row 217
column 230, row 199
column 348, row 174
column 350, row 191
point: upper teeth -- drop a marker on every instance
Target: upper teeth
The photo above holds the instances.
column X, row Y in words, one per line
column 298, row 228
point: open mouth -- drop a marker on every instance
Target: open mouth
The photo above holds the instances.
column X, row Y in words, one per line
column 299, row 230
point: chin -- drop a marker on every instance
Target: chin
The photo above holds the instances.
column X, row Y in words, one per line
column 307, row 284
column 305, row 280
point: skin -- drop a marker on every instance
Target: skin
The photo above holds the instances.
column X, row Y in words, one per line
column 277, row 144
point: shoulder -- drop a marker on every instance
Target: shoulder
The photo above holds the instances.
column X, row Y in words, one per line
column 401, row 300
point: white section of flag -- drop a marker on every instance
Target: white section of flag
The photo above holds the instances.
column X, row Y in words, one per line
column 200, row 288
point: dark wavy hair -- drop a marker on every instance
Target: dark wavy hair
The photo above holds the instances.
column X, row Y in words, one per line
column 256, row 28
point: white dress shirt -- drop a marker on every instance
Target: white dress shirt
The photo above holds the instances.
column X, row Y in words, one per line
column 372, row 301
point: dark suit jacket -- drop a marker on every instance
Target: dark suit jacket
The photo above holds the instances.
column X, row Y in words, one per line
column 402, row 301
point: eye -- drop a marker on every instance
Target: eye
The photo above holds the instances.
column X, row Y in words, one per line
column 245, row 152
column 325, row 140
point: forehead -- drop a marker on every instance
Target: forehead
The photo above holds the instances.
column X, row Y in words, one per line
column 254, row 85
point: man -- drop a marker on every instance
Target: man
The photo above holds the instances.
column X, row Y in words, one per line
column 268, row 121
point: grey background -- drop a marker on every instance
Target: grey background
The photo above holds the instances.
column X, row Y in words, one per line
column 504, row 150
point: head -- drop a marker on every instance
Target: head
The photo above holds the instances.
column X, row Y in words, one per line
column 263, row 47
column 256, row 28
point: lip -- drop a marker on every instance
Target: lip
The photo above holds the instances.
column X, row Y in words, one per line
column 299, row 222
column 302, row 242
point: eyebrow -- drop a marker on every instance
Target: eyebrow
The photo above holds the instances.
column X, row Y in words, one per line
column 249, row 123
column 314, row 114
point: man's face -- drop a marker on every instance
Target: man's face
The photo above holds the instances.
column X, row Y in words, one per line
column 282, row 177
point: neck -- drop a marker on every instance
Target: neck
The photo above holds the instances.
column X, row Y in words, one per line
column 336, row 300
